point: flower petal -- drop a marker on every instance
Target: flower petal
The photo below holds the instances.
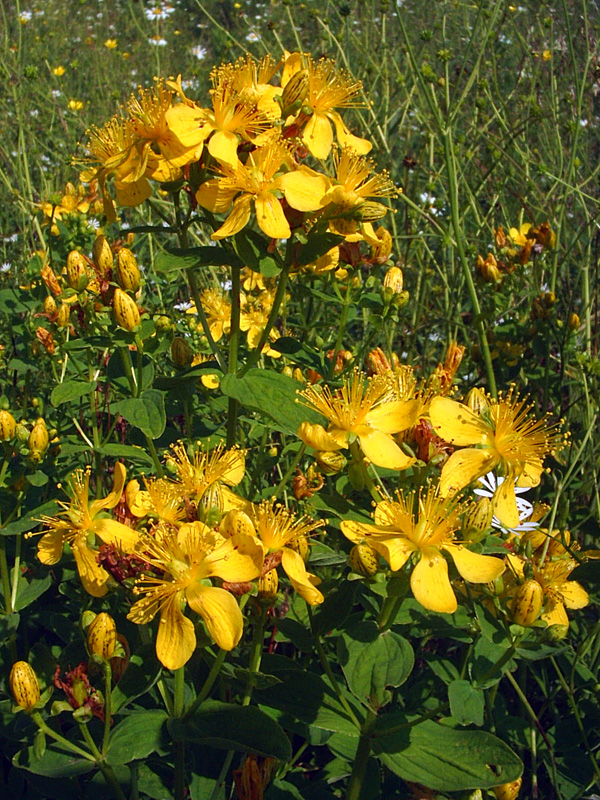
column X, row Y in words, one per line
column 270, row 217
column 463, row 467
column 430, row 583
column 474, row 567
column 220, row 612
column 393, row 417
column 531, row 475
column 213, row 196
column 93, row 576
column 237, row 219
column 318, row 135
column 347, row 139
column 573, row 594
column 223, row 145
column 317, row 437
column 382, row 450
column 176, row 639
column 132, row 194
column 504, row 503
column 113, row 532
column 304, row 189
column 457, row 424
column 50, row 548
column 554, row 614
column 302, row 581
column 238, row 559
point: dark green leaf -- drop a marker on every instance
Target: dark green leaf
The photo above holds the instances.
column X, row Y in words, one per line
column 28, row 592
column 71, row 390
column 272, row 394
column 224, row 725
column 146, row 412
column 141, row 674
column 115, row 450
column 253, row 249
column 136, row 736
column 443, row 758
column 316, row 246
column 56, row 762
column 372, row 661
column 205, row 256
column 466, row 702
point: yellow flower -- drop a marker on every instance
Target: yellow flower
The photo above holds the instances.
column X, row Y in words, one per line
column 559, row 591
column 161, row 499
column 59, row 71
column 277, row 529
column 169, row 136
column 249, row 80
column 205, row 478
column 80, row 523
column 519, row 235
column 111, row 151
column 111, row 44
column 257, row 182
column 328, row 89
column 75, row 105
column 503, row 435
column 187, row 558
column 399, row 533
column 363, row 409
column 253, row 319
column 218, row 312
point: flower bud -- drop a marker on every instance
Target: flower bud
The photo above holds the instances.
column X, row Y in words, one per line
column 527, row 603
column 127, row 313
column 127, row 271
column 364, row 560
column 369, row 211
column 288, row 372
column 181, row 352
column 573, row 322
column 162, row 323
column 102, row 636
column 268, row 585
column 297, row 375
column 508, row 791
column 63, row 316
column 24, row 685
column 478, row 519
column 394, row 280
column 301, row 545
column 22, row 433
column 119, row 663
column 50, row 306
column 38, row 438
column 330, row 462
column 77, row 276
column 8, row 426
column 102, row 254
column 294, row 92
column 476, row 400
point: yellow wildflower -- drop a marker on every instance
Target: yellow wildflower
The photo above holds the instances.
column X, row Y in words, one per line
column 503, row 435
column 363, row 409
column 79, row 522
column 187, row 558
column 399, row 533
column 205, row 478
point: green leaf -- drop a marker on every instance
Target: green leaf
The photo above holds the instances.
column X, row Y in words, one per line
column 316, row 246
column 8, row 624
column 28, row 592
column 232, row 727
column 124, row 451
column 146, row 412
column 336, row 608
column 138, row 735
column 205, row 256
column 71, row 390
column 141, row 674
column 372, row 661
column 272, row 394
column 253, row 250
column 445, row 759
column 466, row 702
column 56, row 762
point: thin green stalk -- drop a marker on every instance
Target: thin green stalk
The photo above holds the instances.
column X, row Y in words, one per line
column 16, row 570
column 296, row 460
column 256, row 650
column 106, row 770
column 208, row 683
column 178, row 710
column 107, row 705
column 341, row 330
column 369, row 482
column 363, row 751
column 37, row 718
column 389, row 610
column 234, row 344
column 152, row 449
column 193, row 283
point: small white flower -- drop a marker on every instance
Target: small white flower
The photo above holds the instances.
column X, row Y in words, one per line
column 226, row 285
column 199, row 52
column 157, row 41
column 253, row 37
column 159, row 12
column 25, row 16
column 5, row 267
column 182, row 306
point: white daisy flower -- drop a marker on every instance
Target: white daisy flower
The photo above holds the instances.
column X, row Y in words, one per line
column 490, row 483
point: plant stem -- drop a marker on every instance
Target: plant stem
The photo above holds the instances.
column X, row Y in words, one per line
column 363, row 751
column 107, row 771
column 178, row 709
column 208, row 683
column 37, row 718
column 107, row 705
column 203, row 320
column 234, row 344
column 256, row 649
